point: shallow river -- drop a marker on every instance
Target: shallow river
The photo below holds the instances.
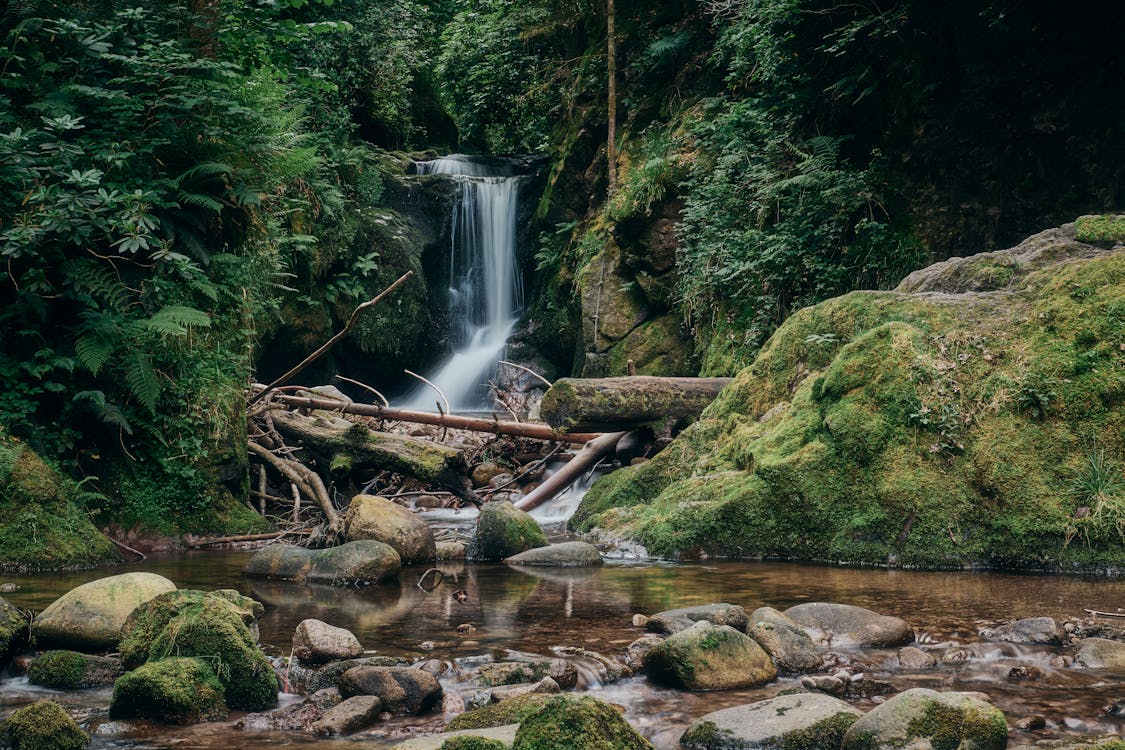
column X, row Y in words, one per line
column 531, row 612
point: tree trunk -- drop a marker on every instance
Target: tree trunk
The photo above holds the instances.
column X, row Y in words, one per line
column 611, row 95
column 590, row 454
column 611, row 404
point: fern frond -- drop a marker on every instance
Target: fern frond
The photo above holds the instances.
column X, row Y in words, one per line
column 176, row 320
column 143, row 380
column 99, row 336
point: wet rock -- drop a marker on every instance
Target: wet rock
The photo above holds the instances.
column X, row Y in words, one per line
column 791, row 721
column 500, row 480
column 9, row 588
column 90, row 617
column 911, row 657
column 70, row 670
column 428, row 502
column 923, row 718
column 866, row 687
column 1100, row 653
column 483, row 473
column 546, row 685
column 517, row 672
column 790, row 647
column 450, row 550
column 503, row 531
column 306, row 681
column 1024, row 673
column 709, row 657
column 355, row 563
column 316, row 642
column 639, row 621
column 1031, row 723
column 1117, row 708
column 171, row 691
column 43, row 725
column 825, row 684
column 956, row 655
column 1086, row 742
column 465, row 628
column 13, row 629
column 846, row 626
column 436, row 667
column 293, row 717
column 403, row 690
column 504, row 735
column 566, row 555
column 1031, row 630
column 635, row 651
column 287, row 562
column 373, row 517
column 583, row 723
column 349, row 716
column 510, row 711
column 674, row 620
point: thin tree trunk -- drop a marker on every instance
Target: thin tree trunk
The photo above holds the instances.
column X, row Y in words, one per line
column 611, row 64
column 590, row 454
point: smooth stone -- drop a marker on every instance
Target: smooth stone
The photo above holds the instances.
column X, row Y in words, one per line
column 709, row 657
column 635, row 651
column 1042, row 630
column 847, row 626
column 808, row 720
column 674, row 620
column 403, row 690
column 309, row 680
column 357, row 563
column 287, row 562
column 566, row 554
column 1100, row 653
column 913, row 719
column 450, row 550
column 546, row 685
column 505, row 734
column 790, row 647
column 374, row 517
column 91, row 616
column 912, row 657
column 349, row 716
column 317, row 642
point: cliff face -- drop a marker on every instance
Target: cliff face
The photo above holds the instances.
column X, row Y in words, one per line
column 973, row 416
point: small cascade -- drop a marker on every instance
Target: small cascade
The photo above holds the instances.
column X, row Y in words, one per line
column 485, row 290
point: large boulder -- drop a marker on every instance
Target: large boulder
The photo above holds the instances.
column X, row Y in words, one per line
column 790, row 647
column 503, row 531
column 306, row 680
column 847, row 626
column 674, row 620
column 212, row 626
column 352, row 564
column 709, row 657
column 287, row 562
column 401, row 689
column 924, row 718
column 564, row 555
column 805, row 721
column 569, row 723
column 1031, row 630
column 43, row 725
column 179, row 690
column 317, row 642
column 90, row 617
column 1100, row 653
column 70, row 670
column 373, row 517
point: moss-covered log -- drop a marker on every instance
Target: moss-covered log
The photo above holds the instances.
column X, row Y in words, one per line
column 608, row 404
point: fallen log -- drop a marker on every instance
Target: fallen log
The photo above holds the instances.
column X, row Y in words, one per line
column 349, row 446
column 475, row 424
column 217, row 540
column 609, row 404
column 585, row 459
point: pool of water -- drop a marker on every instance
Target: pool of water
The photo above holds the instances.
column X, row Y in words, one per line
column 535, row 611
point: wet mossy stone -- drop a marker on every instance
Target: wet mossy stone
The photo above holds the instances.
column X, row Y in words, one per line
column 672, row 620
column 503, row 531
column 43, row 725
column 90, row 617
column 947, row 721
column 569, row 723
column 13, row 629
column 790, row 647
column 511, row 711
column 358, row 563
column 709, row 657
column 374, row 517
column 469, row 742
column 70, row 670
column 807, row 721
column 171, row 691
column 207, row 625
column 562, row 555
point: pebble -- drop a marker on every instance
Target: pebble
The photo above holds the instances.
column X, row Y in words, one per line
column 465, row 628
column 639, row 621
column 1031, row 723
column 7, row 588
column 1024, row 672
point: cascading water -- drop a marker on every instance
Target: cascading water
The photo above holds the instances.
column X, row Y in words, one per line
column 485, row 290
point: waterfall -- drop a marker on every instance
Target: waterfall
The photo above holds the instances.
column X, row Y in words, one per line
column 485, row 293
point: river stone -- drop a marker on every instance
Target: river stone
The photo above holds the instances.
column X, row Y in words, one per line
column 43, row 725
column 583, row 723
column 90, row 617
column 1100, row 653
column 564, row 555
column 70, row 670
column 354, row 564
column 911, row 657
column 483, row 473
column 349, row 716
column 804, row 721
column 846, row 626
column 505, row 735
column 450, row 550
column 279, row 560
column 13, row 629
column 1032, row 630
column 171, row 691
column 923, row 718
column 403, row 690
column 709, row 657
column 305, row 680
column 520, row 672
column 373, row 517
column 790, row 647
column 503, row 531
column 317, row 642
column 635, row 651
column 288, row 718
column 674, row 620
column 546, row 685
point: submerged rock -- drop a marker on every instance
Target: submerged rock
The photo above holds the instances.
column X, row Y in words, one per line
column 1032, row 630
column 847, row 626
column 709, row 657
column 373, row 517
column 1100, row 653
column 577, row 724
column 70, row 670
column 911, row 657
column 674, row 620
column 317, row 642
column 923, row 718
column 503, row 531
column 43, row 725
column 790, row 647
column 90, row 617
column 178, row 690
column 792, row 722
column 564, row 555
column 355, row 563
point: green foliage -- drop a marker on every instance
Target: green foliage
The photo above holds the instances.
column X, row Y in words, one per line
column 43, row 725
column 1106, row 228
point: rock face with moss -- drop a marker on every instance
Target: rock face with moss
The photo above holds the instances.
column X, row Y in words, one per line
column 709, row 657
column 503, row 531
column 42, row 726
column 172, row 691
column 70, row 670
column 568, row 723
column 972, row 417
column 953, row 720
column 91, row 616
column 806, row 721
column 13, row 629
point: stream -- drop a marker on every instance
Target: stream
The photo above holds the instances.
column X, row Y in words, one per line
column 532, row 612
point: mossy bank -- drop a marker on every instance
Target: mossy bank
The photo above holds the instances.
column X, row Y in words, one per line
column 972, row 417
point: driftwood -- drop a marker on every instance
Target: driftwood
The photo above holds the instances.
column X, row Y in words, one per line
column 309, row 484
column 349, row 446
column 590, row 454
column 605, row 404
column 215, row 541
column 475, row 424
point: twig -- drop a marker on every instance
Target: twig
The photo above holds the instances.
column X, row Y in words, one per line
column 366, row 387
column 307, row 481
column 527, row 370
column 448, row 409
column 440, row 577
column 1096, row 613
column 527, row 470
column 213, row 541
column 332, row 341
column 503, row 400
column 124, row 546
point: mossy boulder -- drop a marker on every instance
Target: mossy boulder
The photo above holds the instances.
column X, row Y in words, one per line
column 42, row 526
column 43, row 725
column 585, row 723
column 91, row 616
column 13, row 629
column 356, row 563
column 213, row 626
column 469, row 742
column 511, row 711
column 70, row 670
column 804, row 721
column 171, row 691
column 373, row 517
column 503, row 531
column 947, row 721
column 709, row 657
column 955, row 422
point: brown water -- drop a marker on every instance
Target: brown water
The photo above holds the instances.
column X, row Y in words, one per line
column 534, row 611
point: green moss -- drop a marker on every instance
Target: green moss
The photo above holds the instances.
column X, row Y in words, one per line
column 42, row 726
column 566, row 723
column 62, row 670
column 172, row 691
column 472, row 743
column 1106, row 228
column 706, row 735
column 511, row 711
column 949, row 728
column 827, row 733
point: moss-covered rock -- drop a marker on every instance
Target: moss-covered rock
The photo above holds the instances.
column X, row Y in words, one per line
column 934, row 428
column 42, row 726
column 503, row 531
column 206, row 625
column 373, row 517
column 709, row 657
column 468, row 742
column 91, row 616
column 13, row 629
column 807, row 721
column 947, row 721
column 511, row 711
column 790, row 647
column 568, row 723
column 357, row 563
column 70, row 670
column 171, row 691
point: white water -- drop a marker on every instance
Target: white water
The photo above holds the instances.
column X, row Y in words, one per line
column 485, row 292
